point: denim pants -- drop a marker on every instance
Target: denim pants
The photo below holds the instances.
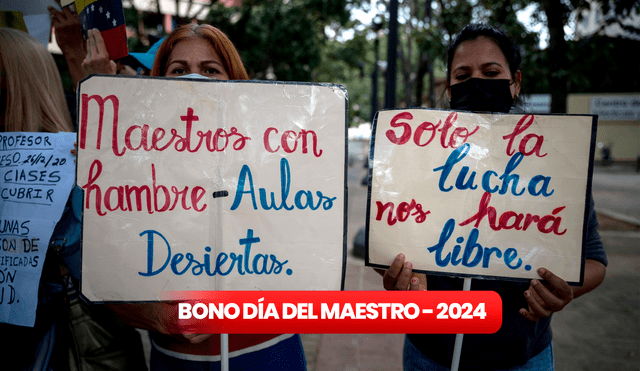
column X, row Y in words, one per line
column 286, row 355
column 414, row 360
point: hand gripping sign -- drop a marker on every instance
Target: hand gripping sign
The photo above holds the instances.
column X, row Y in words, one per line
column 210, row 185
column 480, row 195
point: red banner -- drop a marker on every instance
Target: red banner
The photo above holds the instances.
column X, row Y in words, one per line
column 265, row 312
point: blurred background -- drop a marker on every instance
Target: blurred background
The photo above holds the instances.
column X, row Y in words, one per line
column 579, row 57
column 577, row 54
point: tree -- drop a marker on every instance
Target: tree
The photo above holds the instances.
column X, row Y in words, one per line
column 428, row 27
column 344, row 62
column 615, row 13
column 557, row 14
column 559, row 53
column 277, row 39
column 433, row 28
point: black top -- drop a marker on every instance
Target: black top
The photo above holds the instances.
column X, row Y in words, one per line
column 518, row 339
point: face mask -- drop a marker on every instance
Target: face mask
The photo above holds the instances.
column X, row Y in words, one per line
column 195, row 76
column 488, row 95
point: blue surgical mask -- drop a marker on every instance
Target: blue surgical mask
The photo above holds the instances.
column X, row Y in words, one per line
column 195, row 76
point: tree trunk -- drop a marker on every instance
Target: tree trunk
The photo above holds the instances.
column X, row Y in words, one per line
column 557, row 14
column 425, row 66
column 392, row 55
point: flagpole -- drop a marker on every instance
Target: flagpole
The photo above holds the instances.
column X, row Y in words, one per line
column 457, row 347
column 224, row 352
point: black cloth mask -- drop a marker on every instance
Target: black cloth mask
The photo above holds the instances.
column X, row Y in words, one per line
column 484, row 95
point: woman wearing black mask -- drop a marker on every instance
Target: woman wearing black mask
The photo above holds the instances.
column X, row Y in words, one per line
column 483, row 75
column 483, row 70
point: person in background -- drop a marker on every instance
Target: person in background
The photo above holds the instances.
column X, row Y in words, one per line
column 32, row 100
column 32, row 95
column 197, row 51
column 68, row 31
column 483, row 74
column 131, row 66
column 138, row 63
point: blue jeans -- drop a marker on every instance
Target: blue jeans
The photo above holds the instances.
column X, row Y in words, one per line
column 414, row 360
column 286, row 355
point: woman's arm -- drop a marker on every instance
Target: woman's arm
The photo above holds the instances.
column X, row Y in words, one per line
column 68, row 33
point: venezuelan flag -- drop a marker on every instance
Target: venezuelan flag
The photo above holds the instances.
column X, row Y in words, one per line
column 108, row 17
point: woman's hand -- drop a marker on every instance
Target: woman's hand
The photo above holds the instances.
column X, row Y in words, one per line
column 74, row 151
column 68, row 30
column 543, row 300
column 194, row 338
column 97, row 60
column 546, row 299
column 400, row 276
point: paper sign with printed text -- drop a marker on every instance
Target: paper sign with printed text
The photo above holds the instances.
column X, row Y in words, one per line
column 210, row 185
column 36, row 177
column 480, row 195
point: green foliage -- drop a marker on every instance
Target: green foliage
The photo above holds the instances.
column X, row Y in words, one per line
column 346, row 63
column 287, row 41
column 602, row 64
column 130, row 16
column 63, row 68
column 136, row 46
column 277, row 39
column 454, row 15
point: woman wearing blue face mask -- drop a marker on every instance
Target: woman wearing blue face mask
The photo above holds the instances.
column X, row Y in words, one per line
column 483, row 75
column 200, row 51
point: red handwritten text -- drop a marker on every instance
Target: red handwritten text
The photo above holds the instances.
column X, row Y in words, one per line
column 513, row 220
column 138, row 198
column 458, row 136
column 291, row 136
column 403, row 212
column 519, row 129
column 154, row 140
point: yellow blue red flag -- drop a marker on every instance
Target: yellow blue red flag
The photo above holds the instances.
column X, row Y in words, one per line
column 108, row 17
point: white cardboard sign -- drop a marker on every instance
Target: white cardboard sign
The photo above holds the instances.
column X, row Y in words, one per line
column 210, row 185
column 480, row 195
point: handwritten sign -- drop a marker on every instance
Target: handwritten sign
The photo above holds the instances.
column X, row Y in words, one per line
column 210, row 185
column 36, row 177
column 493, row 196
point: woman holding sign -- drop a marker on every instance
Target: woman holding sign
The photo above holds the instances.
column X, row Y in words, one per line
column 202, row 51
column 32, row 100
column 483, row 75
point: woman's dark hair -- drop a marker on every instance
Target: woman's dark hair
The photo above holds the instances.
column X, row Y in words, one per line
column 473, row 31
